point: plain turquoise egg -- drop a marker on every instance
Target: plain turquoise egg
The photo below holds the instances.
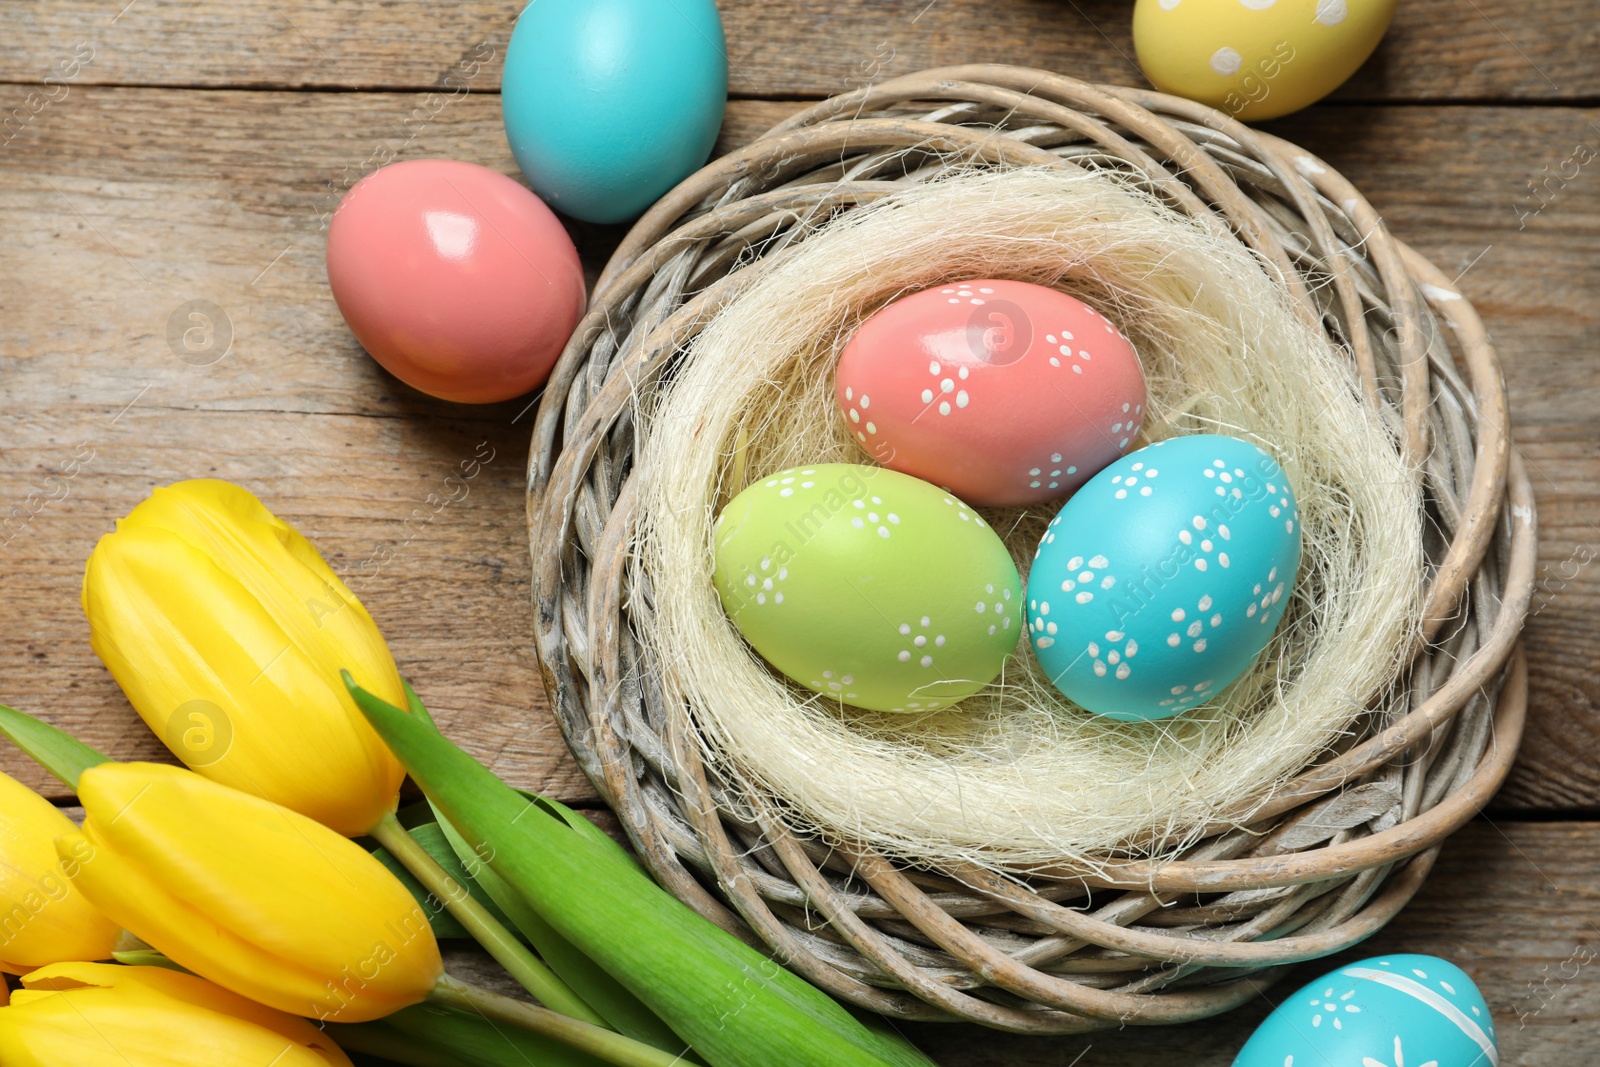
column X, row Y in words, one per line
column 610, row 103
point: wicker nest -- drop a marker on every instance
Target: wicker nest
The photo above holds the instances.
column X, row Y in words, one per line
column 1324, row 862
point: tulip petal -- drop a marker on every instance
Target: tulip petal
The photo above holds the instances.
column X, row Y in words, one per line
column 193, row 990
column 211, row 846
column 127, row 894
column 43, row 918
column 256, row 897
column 98, row 1026
column 225, row 630
column 280, row 569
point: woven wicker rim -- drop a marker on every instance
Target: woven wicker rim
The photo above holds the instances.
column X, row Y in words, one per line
column 1324, row 862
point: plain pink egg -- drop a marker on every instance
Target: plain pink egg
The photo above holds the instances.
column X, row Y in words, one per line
column 1001, row 392
column 455, row 278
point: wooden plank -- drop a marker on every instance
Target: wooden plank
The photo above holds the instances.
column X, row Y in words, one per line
column 117, row 213
column 1556, row 768
column 1455, row 182
column 294, row 410
column 443, row 567
column 1479, row 190
column 1436, row 50
column 1509, row 903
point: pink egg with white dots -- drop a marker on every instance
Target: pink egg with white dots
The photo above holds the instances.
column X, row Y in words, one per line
column 1002, row 392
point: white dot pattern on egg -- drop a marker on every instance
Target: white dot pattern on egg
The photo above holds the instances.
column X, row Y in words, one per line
column 1389, row 1011
column 860, row 584
column 1331, row 12
column 1256, row 59
column 1005, row 392
column 1144, row 604
column 1226, row 61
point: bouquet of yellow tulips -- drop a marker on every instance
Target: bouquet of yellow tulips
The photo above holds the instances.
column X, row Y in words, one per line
column 248, row 922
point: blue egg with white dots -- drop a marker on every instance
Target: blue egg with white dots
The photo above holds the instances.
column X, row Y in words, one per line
column 1389, row 1011
column 1163, row 578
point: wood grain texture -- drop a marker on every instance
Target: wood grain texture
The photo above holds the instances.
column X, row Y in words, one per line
column 1511, row 904
column 222, row 199
column 1528, row 260
column 119, row 205
column 1517, row 222
column 1436, row 50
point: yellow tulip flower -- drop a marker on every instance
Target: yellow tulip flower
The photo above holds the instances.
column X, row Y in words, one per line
column 43, row 919
column 227, row 632
column 102, row 1015
column 249, row 894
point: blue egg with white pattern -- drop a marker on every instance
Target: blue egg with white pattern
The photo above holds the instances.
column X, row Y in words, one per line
column 1389, row 1011
column 1161, row 580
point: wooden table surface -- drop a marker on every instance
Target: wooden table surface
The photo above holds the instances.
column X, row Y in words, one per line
column 185, row 150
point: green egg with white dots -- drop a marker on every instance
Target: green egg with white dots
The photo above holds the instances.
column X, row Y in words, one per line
column 868, row 586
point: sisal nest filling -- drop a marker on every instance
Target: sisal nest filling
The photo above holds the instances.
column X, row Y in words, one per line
column 1017, row 777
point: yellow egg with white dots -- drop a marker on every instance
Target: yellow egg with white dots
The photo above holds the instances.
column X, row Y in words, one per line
column 1256, row 59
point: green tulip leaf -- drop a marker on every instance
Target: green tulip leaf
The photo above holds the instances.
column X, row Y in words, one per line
column 431, row 836
column 415, row 706
column 621, row 1009
column 736, row 1007
column 624, row 1011
column 430, row 1035
column 414, row 815
column 445, row 926
column 50, row 747
column 587, row 829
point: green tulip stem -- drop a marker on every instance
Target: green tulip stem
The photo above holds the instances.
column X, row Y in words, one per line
column 518, row 960
column 597, row 1041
